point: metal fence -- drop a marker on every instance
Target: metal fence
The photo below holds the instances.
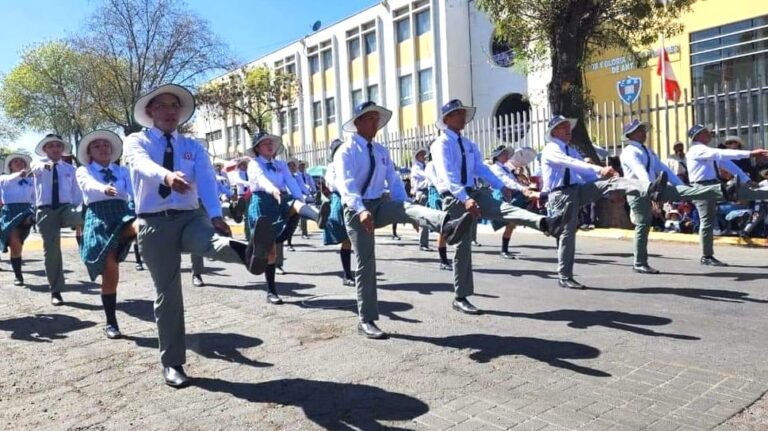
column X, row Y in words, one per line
column 737, row 109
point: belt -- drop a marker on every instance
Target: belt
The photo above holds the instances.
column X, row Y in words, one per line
column 557, row 189
column 51, row 206
column 166, row 213
column 448, row 194
column 706, row 182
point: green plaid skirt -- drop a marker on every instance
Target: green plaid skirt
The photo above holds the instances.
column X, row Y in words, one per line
column 10, row 217
column 104, row 223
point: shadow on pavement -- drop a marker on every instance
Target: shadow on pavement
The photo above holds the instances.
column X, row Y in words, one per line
column 584, row 319
column 214, row 345
column 386, row 308
column 43, row 328
column 426, row 288
column 331, row 405
column 704, row 294
column 486, row 347
column 283, row 288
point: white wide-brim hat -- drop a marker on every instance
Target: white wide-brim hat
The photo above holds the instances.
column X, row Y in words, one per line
column 733, row 138
column 11, row 157
column 558, row 120
column 333, row 147
column 186, row 99
column 523, row 156
column 634, row 125
column 52, row 138
column 262, row 136
column 111, row 137
column 452, row 106
column 384, row 116
column 501, row 149
column 424, row 150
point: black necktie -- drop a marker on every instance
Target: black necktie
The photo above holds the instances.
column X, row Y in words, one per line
column 55, row 187
column 271, row 166
column 463, row 163
column 164, row 190
column 717, row 170
column 371, row 168
column 567, row 175
column 108, row 176
column 647, row 159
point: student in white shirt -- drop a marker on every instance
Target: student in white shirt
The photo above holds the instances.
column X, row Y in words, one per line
column 420, row 189
column 307, row 183
column 335, row 231
column 57, row 197
column 17, row 215
column 109, row 228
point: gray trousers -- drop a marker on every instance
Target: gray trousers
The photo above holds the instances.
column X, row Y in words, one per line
column 424, row 238
column 491, row 209
column 385, row 212
column 50, row 222
column 162, row 240
column 571, row 199
column 641, row 211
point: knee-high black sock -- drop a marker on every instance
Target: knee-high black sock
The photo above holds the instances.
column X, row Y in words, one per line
column 504, row 245
column 269, row 275
column 346, row 259
column 16, row 265
column 443, row 252
column 79, row 239
column 136, row 253
column 394, row 229
column 110, row 304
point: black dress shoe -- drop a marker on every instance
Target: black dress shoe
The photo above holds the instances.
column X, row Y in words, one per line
column 323, row 213
column 570, row 283
column 197, row 281
column 553, row 226
column 279, row 270
column 645, row 269
column 657, row 186
column 56, row 299
column 139, row 267
column 507, row 255
column 464, row 306
column 424, row 248
column 175, row 376
column 711, row 261
column 446, row 266
column 259, row 244
column 347, row 282
column 370, row 330
column 454, row 230
column 476, row 244
column 273, row 299
column 112, row 332
column 731, row 189
column 18, row 282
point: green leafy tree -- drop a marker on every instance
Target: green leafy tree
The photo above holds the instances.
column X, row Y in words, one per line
column 256, row 93
column 565, row 33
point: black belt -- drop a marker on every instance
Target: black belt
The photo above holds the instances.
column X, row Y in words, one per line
column 166, row 213
column 51, row 206
column 557, row 189
column 448, row 194
column 706, row 182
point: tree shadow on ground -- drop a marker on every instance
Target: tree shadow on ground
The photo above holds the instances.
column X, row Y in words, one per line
column 43, row 328
column 585, row 319
column 330, row 405
column 214, row 345
column 486, row 347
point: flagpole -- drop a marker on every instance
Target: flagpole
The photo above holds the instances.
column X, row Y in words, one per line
column 663, row 50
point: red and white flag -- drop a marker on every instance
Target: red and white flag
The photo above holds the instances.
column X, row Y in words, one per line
column 664, row 69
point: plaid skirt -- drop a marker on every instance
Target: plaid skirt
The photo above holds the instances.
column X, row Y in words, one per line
column 264, row 204
column 518, row 199
column 335, row 228
column 10, row 217
column 104, row 223
column 434, row 200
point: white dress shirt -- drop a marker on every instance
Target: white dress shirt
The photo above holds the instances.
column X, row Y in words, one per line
column 92, row 183
column 16, row 190
column 239, row 178
column 701, row 157
column 446, row 156
column 431, row 174
column 278, row 179
column 330, row 177
column 144, row 154
column 555, row 159
column 69, row 193
column 678, row 164
column 307, row 182
column 506, row 176
column 352, row 166
column 634, row 159
column 224, row 186
column 419, row 179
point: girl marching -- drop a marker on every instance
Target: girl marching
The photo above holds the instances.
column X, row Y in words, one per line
column 17, row 215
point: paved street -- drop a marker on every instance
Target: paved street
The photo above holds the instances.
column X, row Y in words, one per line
column 684, row 350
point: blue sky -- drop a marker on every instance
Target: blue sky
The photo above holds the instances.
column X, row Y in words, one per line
column 251, row 28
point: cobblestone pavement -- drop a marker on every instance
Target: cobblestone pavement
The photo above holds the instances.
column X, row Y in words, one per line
column 683, row 350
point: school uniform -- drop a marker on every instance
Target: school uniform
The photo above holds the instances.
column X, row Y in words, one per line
column 420, row 184
column 434, row 200
column 17, row 195
column 510, row 181
column 266, row 178
column 307, row 183
column 335, row 231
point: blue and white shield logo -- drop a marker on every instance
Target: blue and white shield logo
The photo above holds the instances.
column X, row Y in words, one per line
column 629, row 89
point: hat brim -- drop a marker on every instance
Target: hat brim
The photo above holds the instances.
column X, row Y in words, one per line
column 693, row 138
column 497, row 153
column 419, row 151
column 111, row 137
column 384, row 116
column 13, row 156
column 335, row 145
column 185, row 97
column 572, row 121
column 645, row 124
column 276, row 141
column 40, row 145
column 471, row 110
column 523, row 156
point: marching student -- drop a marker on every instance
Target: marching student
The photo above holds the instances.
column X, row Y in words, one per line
column 307, row 183
column 420, row 185
column 435, row 202
column 57, row 198
column 335, row 230
column 17, row 214
column 108, row 229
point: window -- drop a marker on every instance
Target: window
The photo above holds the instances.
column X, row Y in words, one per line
column 213, row 136
column 425, row 85
column 373, row 93
column 423, row 22
column 353, row 47
column 330, row 110
column 282, row 120
column 317, row 113
column 234, row 136
column 327, row 59
column 403, row 29
column 294, row 115
column 357, row 97
column 370, row 42
column 314, row 65
column 405, row 84
column 290, row 68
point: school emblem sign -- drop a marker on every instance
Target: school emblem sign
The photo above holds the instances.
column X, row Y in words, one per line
column 629, row 89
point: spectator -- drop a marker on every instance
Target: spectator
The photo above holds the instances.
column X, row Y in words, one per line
column 676, row 162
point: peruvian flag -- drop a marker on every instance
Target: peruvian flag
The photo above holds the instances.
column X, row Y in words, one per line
column 664, row 69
